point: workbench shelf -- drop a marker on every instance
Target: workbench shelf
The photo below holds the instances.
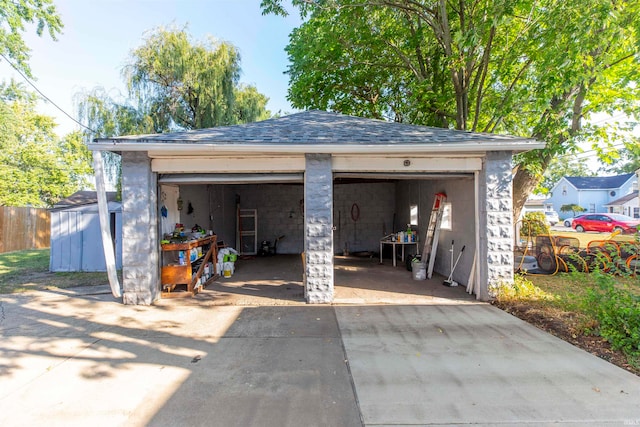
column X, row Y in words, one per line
column 185, row 276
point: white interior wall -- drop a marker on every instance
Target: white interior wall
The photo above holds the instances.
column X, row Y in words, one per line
column 169, row 199
column 460, row 193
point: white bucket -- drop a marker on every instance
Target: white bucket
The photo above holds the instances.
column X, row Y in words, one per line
column 419, row 270
column 228, row 269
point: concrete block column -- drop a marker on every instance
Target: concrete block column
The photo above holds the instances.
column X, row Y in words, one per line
column 318, row 227
column 495, row 262
column 140, row 245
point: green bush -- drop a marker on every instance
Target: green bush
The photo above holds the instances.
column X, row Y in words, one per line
column 617, row 311
column 534, row 224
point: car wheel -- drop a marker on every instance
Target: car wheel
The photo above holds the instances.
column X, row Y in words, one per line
column 618, row 229
column 567, row 223
column 579, row 228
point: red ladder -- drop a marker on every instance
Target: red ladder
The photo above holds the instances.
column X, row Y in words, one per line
column 433, row 232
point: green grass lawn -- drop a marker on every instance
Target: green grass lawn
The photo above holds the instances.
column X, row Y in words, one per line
column 29, row 270
column 597, row 304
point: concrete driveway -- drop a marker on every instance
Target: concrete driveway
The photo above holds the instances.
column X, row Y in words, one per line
column 68, row 359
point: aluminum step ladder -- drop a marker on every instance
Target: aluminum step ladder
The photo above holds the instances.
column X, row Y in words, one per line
column 433, row 233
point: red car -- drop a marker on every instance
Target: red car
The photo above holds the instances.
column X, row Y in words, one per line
column 605, row 223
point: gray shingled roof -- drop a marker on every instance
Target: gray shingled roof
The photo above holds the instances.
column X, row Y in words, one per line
column 624, row 199
column 598, row 182
column 81, row 198
column 319, row 127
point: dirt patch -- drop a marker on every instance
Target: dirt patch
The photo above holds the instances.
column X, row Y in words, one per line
column 567, row 326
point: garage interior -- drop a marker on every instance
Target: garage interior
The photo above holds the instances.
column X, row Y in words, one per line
column 366, row 207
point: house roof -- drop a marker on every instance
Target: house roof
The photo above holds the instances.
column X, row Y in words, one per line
column 81, row 198
column 318, row 132
column 624, row 199
column 599, row 182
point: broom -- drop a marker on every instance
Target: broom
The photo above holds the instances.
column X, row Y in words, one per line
column 449, row 281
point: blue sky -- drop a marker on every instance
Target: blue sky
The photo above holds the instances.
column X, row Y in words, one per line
column 99, row 34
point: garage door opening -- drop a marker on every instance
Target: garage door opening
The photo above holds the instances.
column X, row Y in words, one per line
column 220, row 202
column 365, row 209
column 369, row 207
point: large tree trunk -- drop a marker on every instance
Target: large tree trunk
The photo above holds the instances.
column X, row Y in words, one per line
column 523, row 184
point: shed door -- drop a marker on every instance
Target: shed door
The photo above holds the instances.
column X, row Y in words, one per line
column 66, row 241
column 92, row 252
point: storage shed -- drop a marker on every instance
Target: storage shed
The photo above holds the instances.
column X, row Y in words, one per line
column 75, row 233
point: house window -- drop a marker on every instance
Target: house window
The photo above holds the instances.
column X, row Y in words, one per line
column 413, row 214
column 564, row 190
column 636, row 212
column 592, row 207
column 447, row 222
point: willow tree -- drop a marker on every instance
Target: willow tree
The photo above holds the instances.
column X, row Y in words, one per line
column 535, row 68
column 182, row 84
column 174, row 83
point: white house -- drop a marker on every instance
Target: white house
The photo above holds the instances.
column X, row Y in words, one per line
column 324, row 180
column 625, row 205
column 594, row 194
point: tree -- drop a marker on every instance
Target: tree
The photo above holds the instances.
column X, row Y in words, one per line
column 180, row 84
column 573, row 208
column 38, row 169
column 174, row 84
column 626, row 159
column 529, row 68
column 106, row 117
column 14, row 15
column 560, row 166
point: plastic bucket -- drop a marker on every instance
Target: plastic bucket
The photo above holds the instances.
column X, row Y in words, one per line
column 419, row 270
column 227, row 269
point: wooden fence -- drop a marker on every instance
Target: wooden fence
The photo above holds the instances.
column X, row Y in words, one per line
column 24, row 228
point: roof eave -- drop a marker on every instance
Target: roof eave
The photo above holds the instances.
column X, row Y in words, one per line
column 228, row 148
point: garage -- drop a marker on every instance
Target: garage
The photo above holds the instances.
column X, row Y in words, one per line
column 318, row 183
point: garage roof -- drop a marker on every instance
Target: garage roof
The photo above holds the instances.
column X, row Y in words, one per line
column 318, row 132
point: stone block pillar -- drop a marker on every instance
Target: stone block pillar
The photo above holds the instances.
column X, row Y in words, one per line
column 140, row 245
column 495, row 261
column 318, row 227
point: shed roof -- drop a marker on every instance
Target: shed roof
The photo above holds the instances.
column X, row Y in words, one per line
column 319, row 131
column 599, row 182
column 82, row 198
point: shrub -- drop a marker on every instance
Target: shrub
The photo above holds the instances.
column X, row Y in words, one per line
column 522, row 289
column 534, row 224
column 617, row 311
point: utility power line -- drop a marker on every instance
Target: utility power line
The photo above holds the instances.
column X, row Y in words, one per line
column 45, row 97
